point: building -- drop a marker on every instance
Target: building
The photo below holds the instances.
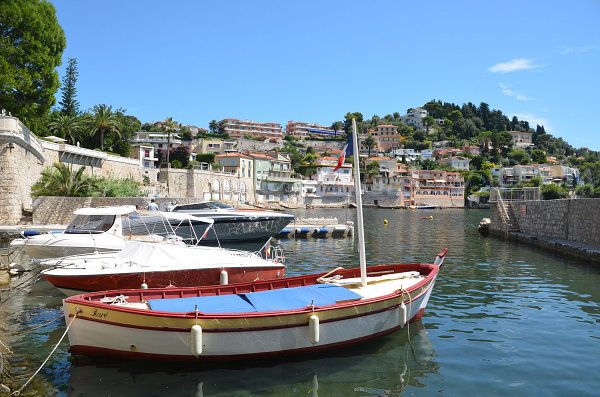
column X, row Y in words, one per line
column 414, row 117
column 213, row 146
column 238, row 129
column 521, row 139
column 160, row 141
column 236, row 163
column 386, row 138
column 437, row 187
column 387, row 165
column 457, row 163
column 329, row 186
column 145, row 154
column 273, row 178
column 302, row 129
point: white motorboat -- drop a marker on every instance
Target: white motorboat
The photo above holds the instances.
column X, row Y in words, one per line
column 91, row 230
column 236, row 225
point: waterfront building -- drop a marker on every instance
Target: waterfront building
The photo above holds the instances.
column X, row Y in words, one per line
column 387, row 165
column 302, row 129
column 327, row 185
column 273, row 178
column 437, row 187
column 238, row 129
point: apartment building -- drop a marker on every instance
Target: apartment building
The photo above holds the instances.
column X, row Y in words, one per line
column 458, row 163
column 414, row 117
column 273, row 178
column 213, row 146
column 521, row 139
column 386, row 137
column 239, row 129
column 437, row 187
column 302, row 129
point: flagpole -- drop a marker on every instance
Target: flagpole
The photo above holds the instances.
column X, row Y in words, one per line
column 359, row 209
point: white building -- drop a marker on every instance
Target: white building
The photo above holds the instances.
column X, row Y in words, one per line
column 415, row 118
column 458, row 163
column 239, row 128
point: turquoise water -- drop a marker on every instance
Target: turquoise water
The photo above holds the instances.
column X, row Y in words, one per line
column 505, row 319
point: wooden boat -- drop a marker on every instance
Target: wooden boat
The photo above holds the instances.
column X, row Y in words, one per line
column 250, row 320
column 301, row 314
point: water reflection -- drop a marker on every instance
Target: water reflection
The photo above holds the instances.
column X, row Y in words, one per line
column 385, row 367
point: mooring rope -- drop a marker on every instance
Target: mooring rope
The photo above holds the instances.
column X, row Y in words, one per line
column 38, row 326
column 18, row 392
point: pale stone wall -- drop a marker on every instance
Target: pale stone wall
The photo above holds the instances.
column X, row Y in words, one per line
column 574, row 220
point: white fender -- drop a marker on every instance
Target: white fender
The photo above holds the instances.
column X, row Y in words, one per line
column 403, row 314
column 313, row 328
column 224, row 278
column 196, row 340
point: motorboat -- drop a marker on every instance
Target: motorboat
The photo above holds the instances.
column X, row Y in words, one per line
column 91, row 230
column 236, row 225
column 158, row 265
column 282, row 317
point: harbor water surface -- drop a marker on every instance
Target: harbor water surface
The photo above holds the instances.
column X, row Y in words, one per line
column 505, row 319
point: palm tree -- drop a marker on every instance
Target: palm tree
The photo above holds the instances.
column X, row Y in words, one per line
column 102, row 121
column 66, row 126
column 213, row 126
column 369, row 143
column 60, row 180
column 170, row 126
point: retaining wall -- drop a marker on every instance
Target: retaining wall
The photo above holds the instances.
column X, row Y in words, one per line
column 574, row 220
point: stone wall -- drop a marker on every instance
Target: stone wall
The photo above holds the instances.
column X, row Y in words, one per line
column 574, row 220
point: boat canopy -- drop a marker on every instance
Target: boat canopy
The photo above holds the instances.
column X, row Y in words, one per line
column 179, row 216
column 113, row 210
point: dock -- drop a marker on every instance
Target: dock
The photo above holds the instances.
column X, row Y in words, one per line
column 317, row 228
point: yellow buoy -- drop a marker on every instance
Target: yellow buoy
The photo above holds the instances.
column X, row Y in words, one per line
column 385, row 222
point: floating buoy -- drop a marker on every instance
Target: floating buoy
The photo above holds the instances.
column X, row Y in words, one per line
column 385, row 222
column 196, row 340
column 224, row 278
column 403, row 314
column 313, row 328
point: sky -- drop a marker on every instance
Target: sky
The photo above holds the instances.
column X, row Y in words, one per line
column 316, row 60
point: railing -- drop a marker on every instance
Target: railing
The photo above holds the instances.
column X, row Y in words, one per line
column 516, row 194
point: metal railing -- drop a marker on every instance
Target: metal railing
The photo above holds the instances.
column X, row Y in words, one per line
column 515, row 194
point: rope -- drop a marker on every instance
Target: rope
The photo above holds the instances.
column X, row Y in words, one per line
column 37, row 327
column 18, row 392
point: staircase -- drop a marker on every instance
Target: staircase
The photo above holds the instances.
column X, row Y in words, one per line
column 509, row 221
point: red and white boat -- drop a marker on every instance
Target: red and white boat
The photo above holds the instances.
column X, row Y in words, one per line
column 286, row 316
column 156, row 265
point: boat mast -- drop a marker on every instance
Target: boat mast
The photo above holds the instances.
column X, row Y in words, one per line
column 359, row 210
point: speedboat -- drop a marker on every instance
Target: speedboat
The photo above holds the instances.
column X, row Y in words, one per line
column 236, row 225
column 91, row 230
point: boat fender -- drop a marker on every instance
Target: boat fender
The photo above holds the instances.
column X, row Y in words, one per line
column 196, row 340
column 313, row 328
column 403, row 314
column 144, row 286
column 224, row 278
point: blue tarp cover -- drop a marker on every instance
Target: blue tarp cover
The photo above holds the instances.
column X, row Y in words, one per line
column 264, row 301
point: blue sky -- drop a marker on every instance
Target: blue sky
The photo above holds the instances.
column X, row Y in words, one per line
column 315, row 61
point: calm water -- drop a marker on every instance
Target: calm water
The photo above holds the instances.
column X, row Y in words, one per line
column 504, row 320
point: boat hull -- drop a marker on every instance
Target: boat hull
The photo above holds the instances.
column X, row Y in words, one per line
column 75, row 284
column 109, row 330
column 59, row 245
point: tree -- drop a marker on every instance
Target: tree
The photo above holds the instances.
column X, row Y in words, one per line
column 170, row 126
column 66, row 126
column 213, row 127
column 428, row 121
column 519, row 156
column 538, row 156
column 369, row 143
column 68, row 104
column 337, row 126
column 60, row 180
column 102, row 121
column 31, row 46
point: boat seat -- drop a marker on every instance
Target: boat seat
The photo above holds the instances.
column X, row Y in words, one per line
column 254, row 302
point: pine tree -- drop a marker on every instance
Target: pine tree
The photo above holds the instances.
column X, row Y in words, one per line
column 68, row 104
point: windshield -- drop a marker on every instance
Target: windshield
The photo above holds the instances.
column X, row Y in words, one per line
column 207, row 205
column 90, row 224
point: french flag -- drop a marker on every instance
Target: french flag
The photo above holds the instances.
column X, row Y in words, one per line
column 346, row 151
